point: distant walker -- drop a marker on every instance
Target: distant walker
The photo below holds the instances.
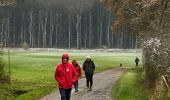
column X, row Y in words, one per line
column 137, row 61
column 89, row 68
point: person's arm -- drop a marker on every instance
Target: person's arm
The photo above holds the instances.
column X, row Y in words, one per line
column 93, row 66
column 74, row 75
column 84, row 67
column 79, row 71
column 56, row 75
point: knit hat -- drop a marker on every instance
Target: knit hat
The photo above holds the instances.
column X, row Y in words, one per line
column 88, row 56
column 74, row 61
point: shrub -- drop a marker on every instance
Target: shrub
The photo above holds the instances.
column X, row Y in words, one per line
column 25, row 45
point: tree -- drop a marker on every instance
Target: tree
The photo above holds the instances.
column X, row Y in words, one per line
column 4, row 35
column 150, row 19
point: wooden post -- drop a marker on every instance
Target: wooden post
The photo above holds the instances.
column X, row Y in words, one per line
column 9, row 64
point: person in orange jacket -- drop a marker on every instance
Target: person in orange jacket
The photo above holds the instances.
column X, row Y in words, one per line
column 65, row 76
column 78, row 70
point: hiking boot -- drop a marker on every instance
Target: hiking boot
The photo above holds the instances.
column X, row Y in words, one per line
column 90, row 89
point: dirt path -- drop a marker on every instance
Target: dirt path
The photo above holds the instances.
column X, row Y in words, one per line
column 102, row 86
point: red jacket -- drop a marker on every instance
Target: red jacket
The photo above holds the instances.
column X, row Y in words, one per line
column 65, row 74
column 77, row 67
column 78, row 70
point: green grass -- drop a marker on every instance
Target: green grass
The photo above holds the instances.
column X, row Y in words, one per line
column 130, row 86
column 33, row 72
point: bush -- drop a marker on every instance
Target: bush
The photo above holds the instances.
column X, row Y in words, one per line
column 104, row 47
column 156, row 55
column 25, row 45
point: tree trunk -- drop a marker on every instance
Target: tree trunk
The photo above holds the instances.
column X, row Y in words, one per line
column 45, row 30
column 112, row 45
column 77, row 30
column 101, row 28
column 44, row 27
column 80, row 32
column 39, row 28
column 121, row 40
column 51, row 29
column 8, row 31
column 30, row 28
column 90, row 31
column 22, row 29
column 85, row 34
column 136, row 37
column 57, row 22
column 108, row 32
column 2, row 34
column 69, row 33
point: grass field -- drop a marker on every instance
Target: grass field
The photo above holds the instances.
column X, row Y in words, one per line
column 32, row 72
column 130, row 86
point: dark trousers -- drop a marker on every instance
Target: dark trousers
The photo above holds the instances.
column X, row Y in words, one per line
column 89, row 80
column 76, row 85
column 65, row 94
column 136, row 63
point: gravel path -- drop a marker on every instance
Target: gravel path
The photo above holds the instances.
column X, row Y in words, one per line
column 101, row 90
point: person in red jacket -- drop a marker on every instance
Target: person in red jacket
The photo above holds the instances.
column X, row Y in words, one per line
column 66, row 76
column 78, row 70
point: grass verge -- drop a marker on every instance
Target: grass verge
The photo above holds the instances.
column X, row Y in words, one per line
column 130, row 86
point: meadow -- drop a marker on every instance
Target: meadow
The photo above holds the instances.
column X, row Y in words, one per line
column 32, row 72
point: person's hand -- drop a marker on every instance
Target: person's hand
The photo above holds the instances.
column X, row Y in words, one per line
column 57, row 84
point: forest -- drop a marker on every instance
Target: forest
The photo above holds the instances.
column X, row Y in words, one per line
column 61, row 24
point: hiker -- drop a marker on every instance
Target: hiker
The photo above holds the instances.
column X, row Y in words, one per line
column 137, row 61
column 89, row 68
column 65, row 76
column 78, row 70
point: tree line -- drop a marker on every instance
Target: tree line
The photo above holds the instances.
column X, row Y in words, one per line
column 61, row 24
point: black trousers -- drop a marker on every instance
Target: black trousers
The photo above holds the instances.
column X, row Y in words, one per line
column 89, row 80
column 76, row 85
column 65, row 94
